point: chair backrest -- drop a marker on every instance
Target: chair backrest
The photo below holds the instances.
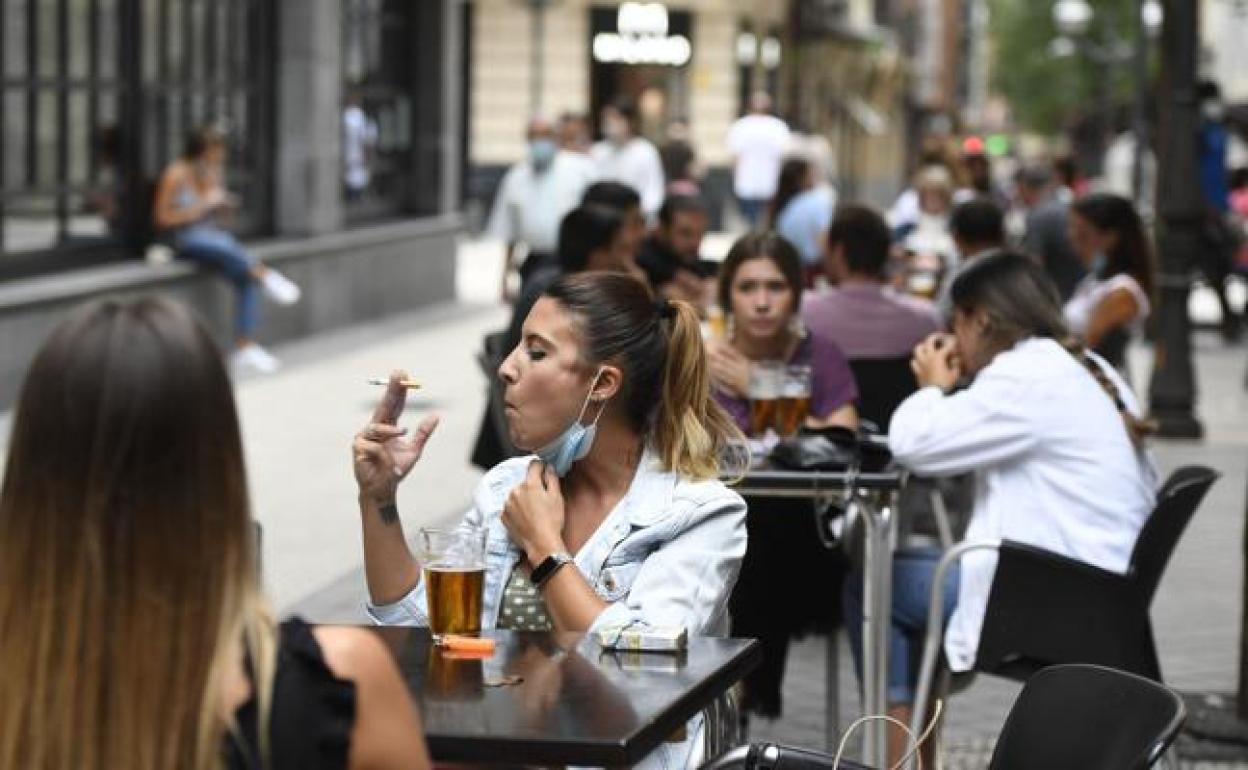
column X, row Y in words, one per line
column 1088, row 716
column 1176, row 502
column 883, row 383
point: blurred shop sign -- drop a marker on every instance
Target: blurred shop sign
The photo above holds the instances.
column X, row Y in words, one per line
column 641, row 37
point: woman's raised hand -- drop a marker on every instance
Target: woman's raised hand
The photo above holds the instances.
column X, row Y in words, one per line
column 729, row 368
column 382, row 452
column 936, row 362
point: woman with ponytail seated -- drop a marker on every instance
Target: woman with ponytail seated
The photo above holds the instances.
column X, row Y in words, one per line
column 133, row 630
column 1052, row 432
column 618, row 515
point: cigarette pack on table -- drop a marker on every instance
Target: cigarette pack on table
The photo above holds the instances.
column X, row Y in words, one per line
column 644, row 638
column 668, row 662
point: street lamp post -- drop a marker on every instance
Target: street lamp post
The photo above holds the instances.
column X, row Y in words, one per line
column 1172, row 391
column 1073, row 19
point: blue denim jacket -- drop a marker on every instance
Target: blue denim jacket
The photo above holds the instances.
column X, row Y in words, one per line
column 667, row 555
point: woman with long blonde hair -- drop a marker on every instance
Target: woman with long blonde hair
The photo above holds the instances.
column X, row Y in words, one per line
column 133, row 631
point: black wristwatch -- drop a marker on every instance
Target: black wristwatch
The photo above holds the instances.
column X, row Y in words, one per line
column 543, row 572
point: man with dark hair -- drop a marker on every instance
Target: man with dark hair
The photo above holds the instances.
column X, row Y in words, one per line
column 860, row 313
column 625, row 200
column 978, row 229
column 977, row 226
column 623, row 156
column 670, row 255
column 1047, row 235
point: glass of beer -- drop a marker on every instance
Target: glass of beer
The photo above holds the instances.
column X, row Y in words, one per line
column 453, row 561
column 766, row 377
column 794, row 402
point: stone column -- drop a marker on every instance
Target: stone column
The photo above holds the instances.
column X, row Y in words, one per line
column 308, row 190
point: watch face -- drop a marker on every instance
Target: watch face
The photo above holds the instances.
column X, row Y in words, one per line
column 549, row 565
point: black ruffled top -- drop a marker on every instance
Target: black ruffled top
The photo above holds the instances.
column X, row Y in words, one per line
column 313, row 711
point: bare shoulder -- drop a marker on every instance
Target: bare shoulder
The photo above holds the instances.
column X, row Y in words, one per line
column 387, row 734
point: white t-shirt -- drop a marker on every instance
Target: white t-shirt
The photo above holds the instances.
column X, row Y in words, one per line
column 635, row 163
column 1092, row 291
column 530, row 205
column 359, row 133
column 759, row 143
column 1054, row 467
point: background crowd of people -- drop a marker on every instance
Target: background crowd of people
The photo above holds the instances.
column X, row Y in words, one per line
column 998, row 311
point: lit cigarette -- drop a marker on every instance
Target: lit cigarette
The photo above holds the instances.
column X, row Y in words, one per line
column 409, row 384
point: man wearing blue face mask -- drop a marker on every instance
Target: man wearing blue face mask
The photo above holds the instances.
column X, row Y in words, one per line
column 533, row 198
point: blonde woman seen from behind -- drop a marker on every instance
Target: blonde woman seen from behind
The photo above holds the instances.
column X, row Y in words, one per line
column 133, row 632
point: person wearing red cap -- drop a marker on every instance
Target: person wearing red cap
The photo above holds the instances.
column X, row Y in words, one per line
column 979, row 174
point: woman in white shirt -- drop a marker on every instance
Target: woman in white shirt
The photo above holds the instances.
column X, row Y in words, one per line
column 1050, row 429
column 1114, row 298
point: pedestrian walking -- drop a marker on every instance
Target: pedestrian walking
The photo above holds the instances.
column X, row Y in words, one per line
column 623, row 156
column 534, row 196
column 757, row 142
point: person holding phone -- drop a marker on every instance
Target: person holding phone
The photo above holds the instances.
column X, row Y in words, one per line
column 188, row 210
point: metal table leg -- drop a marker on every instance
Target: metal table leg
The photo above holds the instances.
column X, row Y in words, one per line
column 832, row 695
column 879, row 526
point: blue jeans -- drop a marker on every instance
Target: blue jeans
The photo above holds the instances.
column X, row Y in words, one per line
column 913, row 571
column 752, row 209
column 215, row 248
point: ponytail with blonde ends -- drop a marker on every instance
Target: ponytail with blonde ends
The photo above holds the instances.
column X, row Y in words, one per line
column 691, row 431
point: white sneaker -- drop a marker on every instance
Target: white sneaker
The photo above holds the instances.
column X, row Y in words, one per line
column 253, row 358
column 280, row 289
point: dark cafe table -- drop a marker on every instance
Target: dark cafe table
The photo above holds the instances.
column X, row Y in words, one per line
column 575, row 703
column 872, row 495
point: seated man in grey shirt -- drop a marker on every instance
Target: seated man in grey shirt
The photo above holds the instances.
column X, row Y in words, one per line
column 865, row 317
column 978, row 229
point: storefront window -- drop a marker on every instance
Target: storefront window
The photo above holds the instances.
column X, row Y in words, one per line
column 761, row 57
column 642, row 52
column 377, row 113
column 97, row 95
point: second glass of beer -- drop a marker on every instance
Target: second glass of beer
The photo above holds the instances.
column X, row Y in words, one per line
column 766, row 377
column 794, row 402
column 453, row 561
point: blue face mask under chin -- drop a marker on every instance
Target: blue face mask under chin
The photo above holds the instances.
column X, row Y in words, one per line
column 575, row 442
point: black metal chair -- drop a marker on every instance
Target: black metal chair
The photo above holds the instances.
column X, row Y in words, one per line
column 1088, row 716
column 1045, row 609
column 1069, row 716
column 883, row 383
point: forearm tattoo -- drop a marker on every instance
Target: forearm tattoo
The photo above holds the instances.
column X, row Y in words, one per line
column 389, row 513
